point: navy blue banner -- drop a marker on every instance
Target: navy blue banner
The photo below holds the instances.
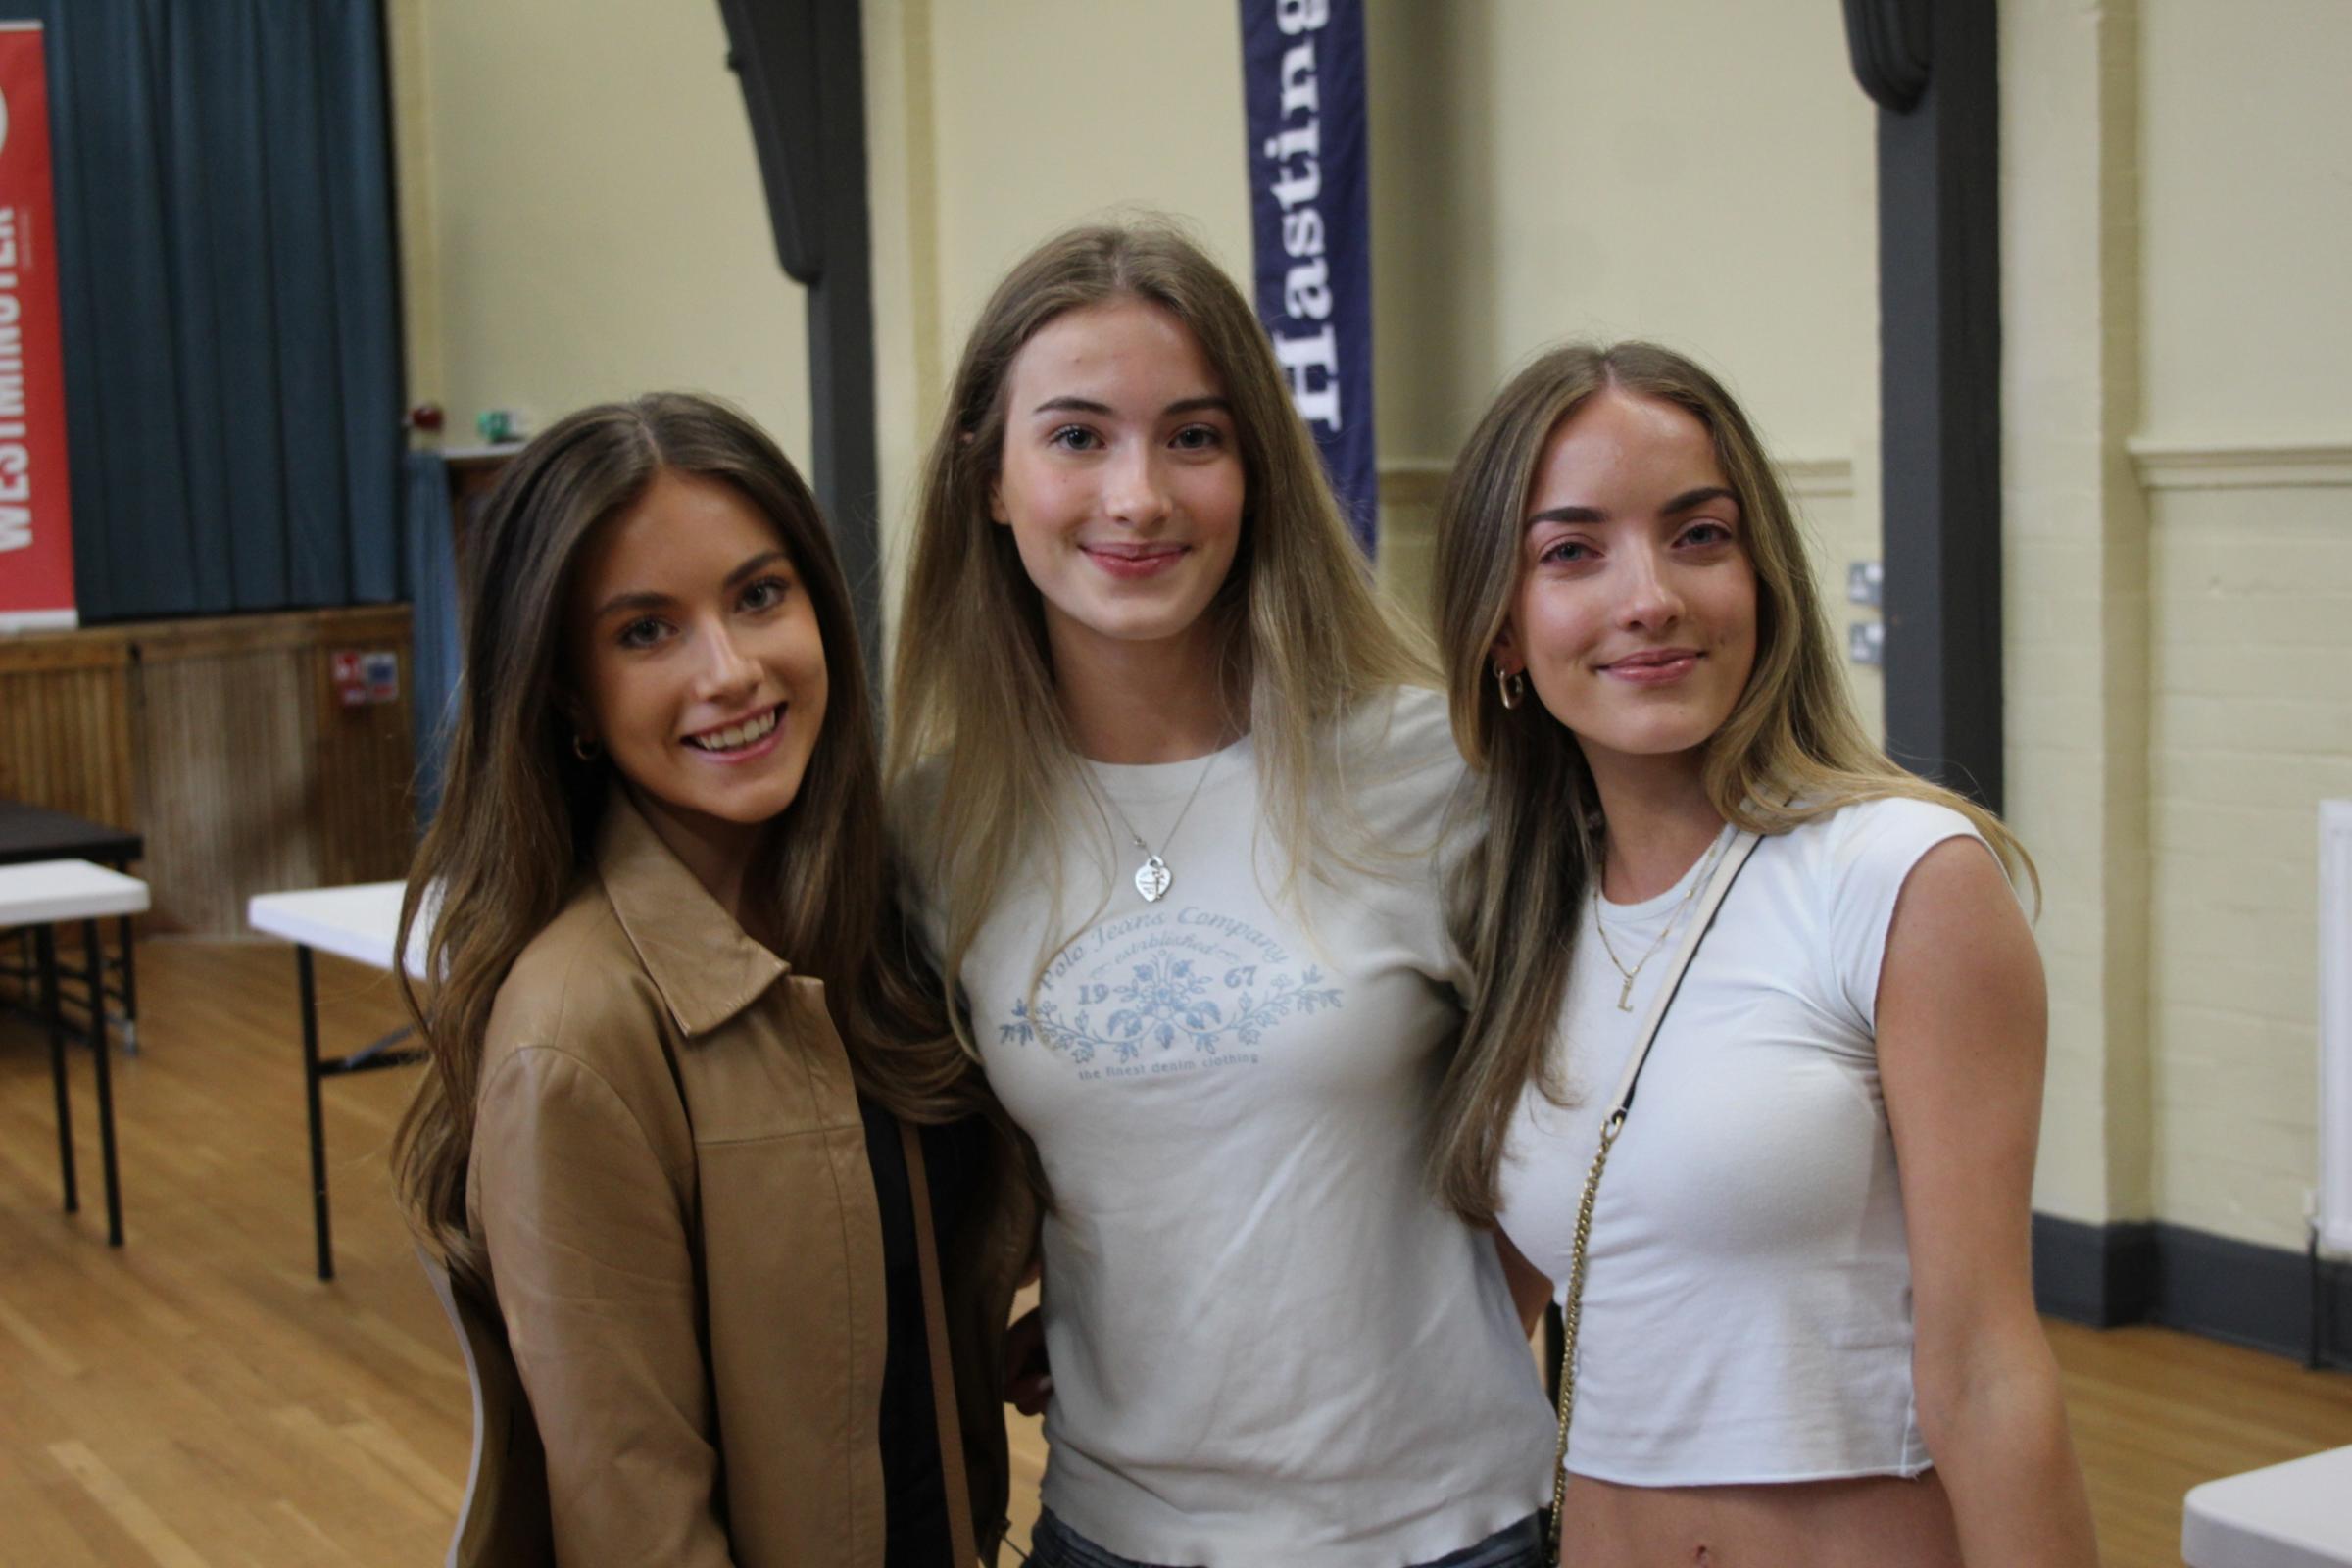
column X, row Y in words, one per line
column 1303, row 71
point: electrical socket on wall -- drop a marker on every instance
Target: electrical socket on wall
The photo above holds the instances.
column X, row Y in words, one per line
column 1865, row 583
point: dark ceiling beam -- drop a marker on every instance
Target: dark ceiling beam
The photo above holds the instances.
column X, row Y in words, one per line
column 1931, row 67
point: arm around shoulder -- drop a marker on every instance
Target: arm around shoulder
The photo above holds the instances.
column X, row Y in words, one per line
column 592, row 1266
column 1961, row 1040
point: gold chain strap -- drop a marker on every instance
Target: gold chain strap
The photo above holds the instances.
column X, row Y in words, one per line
column 1727, row 860
column 1571, row 1311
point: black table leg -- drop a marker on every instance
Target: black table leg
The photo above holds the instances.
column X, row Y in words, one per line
column 44, row 945
column 106, row 1088
column 310, row 1084
column 130, row 990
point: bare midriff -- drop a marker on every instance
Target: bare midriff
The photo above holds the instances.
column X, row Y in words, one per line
column 1867, row 1522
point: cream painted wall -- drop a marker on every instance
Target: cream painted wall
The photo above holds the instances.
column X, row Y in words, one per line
column 2251, row 723
column 2179, row 627
column 994, row 127
column 1682, row 170
column 1689, row 171
column 910, row 371
column 2073, row 541
column 2246, row 137
column 582, row 212
column 1048, row 113
column 2248, row 219
column 409, row 68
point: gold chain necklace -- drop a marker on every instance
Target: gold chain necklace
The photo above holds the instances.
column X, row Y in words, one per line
column 1625, row 992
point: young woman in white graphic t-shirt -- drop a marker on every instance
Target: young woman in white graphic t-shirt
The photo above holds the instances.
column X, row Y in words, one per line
column 1176, row 792
column 1807, row 1332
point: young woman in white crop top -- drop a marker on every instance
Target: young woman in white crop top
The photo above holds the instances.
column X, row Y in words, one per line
column 1807, row 1332
column 1175, row 792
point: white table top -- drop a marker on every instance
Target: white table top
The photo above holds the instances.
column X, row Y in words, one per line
column 45, row 892
column 357, row 922
column 2292, row 1515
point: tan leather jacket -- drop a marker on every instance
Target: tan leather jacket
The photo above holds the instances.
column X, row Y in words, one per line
column 670, row 1177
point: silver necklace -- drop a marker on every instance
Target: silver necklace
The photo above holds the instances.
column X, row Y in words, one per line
column 1153, row 878
column 1625, row 992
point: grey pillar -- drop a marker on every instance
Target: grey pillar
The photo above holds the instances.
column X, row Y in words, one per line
column 801, row 65
column 1930, row 67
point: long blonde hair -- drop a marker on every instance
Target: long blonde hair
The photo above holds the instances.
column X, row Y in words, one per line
column 1303, row 635
column 1793, row 749
column 516, row 828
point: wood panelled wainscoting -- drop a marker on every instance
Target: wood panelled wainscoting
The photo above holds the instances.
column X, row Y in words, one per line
column 223, row 742
column 64, row 724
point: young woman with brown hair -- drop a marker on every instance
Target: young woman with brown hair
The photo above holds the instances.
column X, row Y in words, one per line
column 678, row 1049
column 1798, row 1267
column 1174, row 789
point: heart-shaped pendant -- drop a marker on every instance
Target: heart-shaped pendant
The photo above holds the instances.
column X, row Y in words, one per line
column 1151, row 879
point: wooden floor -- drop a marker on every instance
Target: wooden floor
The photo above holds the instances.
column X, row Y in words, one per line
column 200, row 1398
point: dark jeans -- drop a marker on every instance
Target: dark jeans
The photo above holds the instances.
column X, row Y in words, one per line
column 1056, row 1545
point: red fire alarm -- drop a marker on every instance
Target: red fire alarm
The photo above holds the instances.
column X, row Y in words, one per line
column 350, row 675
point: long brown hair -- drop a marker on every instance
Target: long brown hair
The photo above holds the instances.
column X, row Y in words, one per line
column 520, row 810
column 1793, row 749
column 1303, row 633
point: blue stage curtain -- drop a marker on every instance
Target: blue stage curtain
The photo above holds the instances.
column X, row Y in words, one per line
column 230, row 287
column 433, row 632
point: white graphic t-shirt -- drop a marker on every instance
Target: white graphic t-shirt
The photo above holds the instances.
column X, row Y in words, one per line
column 1269, row 1342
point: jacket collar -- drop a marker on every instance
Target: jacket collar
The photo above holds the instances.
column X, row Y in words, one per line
column 705, row 968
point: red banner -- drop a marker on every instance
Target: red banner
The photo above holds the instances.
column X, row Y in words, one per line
column 36, row 522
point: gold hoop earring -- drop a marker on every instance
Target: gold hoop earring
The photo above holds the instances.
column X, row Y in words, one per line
column 586, row 749
column 1511, row 686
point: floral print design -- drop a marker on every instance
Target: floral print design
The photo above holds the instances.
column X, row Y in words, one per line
column 1167, row 1002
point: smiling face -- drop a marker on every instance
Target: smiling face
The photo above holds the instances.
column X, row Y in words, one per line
column 1635, row 618
column 1120, row 477
column 697, row 666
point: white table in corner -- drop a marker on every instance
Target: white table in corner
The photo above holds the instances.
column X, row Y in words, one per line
column 2292, row 1515
column 44, row 895
column 360, row 922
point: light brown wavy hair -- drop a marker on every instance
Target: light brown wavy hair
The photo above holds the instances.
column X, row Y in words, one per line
column 1792, row 751
column 516, row 829
column 1302, row 633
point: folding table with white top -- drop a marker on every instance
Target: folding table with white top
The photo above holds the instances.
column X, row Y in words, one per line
column 2292, row 1515
column 359, row 922
column 37, row 833
column 44, row 895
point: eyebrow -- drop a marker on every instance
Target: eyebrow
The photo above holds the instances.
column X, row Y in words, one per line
column 1078, row 405
column 768, row 557
column 1685, row 501
column 648, row 599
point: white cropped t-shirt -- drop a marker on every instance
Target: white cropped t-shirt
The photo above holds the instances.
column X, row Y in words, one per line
column 1748, row 1299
